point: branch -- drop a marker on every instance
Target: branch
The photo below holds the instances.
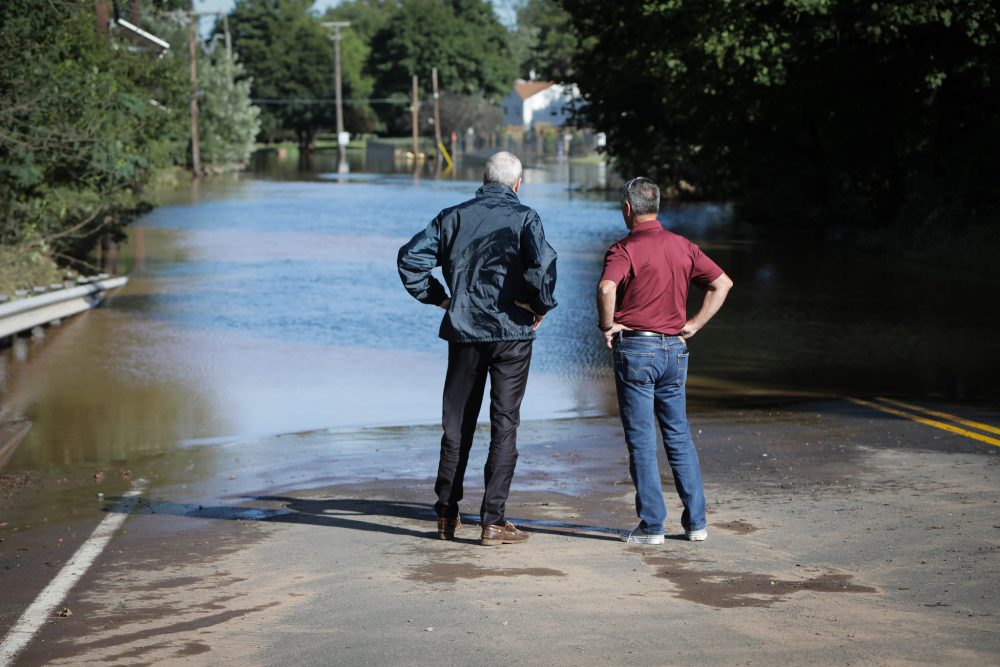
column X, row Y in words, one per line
column 75, row 228
column 77, row 261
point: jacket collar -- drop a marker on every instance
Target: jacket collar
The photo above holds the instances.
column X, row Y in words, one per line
column 496, row 190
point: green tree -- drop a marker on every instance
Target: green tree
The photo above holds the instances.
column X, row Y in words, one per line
column 866, row 112
column 461, row 38
column 459, row 113
column 289, row 56
column 229, row 122
column 83, row 127
column 545, row 41
column 366, row 17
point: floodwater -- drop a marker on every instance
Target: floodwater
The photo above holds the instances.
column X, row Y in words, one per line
column 269, row 303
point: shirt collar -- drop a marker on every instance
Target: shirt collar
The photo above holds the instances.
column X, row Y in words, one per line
column 496, row 190
column 649, row 225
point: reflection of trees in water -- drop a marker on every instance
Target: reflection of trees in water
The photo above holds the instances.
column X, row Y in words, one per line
column 293, row 166
column 94, row 395
column 816, row 318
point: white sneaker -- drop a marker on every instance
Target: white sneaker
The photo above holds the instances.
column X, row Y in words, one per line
column 638, row 536
column 697, row 535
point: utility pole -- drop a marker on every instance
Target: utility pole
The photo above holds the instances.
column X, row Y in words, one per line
column 195, row 135
column 229, row 38
column 437, row 129
column 415, row 111
column 342, row 139
column 437, row 109
column 437, row 126
column 225, row 30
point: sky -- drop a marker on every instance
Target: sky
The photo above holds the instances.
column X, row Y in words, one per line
column 504, row 8
column 226, row 5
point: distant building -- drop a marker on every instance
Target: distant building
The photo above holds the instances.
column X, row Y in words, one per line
column 534, row 103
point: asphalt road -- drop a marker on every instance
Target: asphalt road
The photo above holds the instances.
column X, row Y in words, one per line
column 840, row 533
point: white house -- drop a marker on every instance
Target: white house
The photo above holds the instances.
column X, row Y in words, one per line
column 539, row 102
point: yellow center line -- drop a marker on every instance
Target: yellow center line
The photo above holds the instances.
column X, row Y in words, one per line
column 928, row 422
column 943, row 415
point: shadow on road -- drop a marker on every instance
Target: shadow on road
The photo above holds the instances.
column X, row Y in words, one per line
column 350, row 513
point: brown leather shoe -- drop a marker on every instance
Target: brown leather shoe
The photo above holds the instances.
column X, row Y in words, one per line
column 495, row 535
column 448, row 527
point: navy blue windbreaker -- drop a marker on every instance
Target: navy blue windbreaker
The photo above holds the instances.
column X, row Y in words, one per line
column 493, row 252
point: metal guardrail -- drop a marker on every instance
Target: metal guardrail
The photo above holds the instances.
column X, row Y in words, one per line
column 28, row 313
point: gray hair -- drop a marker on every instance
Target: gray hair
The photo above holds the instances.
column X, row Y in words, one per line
column 643, row 196
column 503, row 168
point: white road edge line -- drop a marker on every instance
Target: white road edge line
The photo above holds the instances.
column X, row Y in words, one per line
column 40, row 611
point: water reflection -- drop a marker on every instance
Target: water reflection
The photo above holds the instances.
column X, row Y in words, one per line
column 269, row 303
column 583, row 177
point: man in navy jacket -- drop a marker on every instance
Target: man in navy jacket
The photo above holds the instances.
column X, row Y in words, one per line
column 501, row 275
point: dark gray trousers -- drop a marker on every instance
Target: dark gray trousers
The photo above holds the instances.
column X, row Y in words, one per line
column 506, row 363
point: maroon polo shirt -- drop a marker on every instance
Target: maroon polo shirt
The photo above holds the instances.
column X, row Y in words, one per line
column 653, row 269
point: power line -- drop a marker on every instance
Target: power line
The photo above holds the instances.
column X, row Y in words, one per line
column 326, row 100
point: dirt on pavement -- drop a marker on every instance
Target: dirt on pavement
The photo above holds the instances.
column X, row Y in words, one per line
column 837, row 535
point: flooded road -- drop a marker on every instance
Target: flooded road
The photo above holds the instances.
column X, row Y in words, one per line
column 269, row 303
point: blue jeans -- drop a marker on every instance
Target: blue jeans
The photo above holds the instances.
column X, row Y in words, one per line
column 649, row 375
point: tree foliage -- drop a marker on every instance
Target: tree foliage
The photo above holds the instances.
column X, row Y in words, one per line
column 229, row 121
column 366, row 17
column 872, row 112
column 461, row 38
column 289, row 56
column 545, row 41
column 83, row 126
column 87, row 120
column 459, row 113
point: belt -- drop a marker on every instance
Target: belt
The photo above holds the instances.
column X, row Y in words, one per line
column 629, row 333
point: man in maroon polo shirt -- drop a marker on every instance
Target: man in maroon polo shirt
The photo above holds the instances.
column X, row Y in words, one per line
column 642, row 310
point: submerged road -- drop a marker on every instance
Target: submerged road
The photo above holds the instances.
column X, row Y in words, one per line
column 855, row 532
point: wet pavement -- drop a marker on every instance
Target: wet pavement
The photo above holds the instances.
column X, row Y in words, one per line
column 837, row 534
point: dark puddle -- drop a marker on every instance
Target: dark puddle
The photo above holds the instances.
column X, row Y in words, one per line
column 742, row 589
column 738, row 527
column 449, row 573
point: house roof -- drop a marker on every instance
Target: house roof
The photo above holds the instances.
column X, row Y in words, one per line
column 526, row 89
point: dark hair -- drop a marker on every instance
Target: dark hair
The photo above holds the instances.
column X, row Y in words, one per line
column 642, row 194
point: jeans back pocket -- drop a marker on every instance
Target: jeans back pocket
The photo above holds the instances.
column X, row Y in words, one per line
column 636, row 367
